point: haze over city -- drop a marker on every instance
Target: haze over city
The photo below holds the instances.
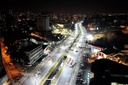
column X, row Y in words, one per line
column 66, row 6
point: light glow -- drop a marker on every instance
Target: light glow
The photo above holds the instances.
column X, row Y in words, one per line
column 90, row 37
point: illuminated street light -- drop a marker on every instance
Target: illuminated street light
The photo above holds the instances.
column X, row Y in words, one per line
column 90, row 37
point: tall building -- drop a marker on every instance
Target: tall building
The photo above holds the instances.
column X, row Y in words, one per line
column 43, row 22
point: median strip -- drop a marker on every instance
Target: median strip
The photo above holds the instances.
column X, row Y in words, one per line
column 50, row 71
column 59, row 72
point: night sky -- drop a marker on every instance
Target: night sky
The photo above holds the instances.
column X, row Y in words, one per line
column 66, row 6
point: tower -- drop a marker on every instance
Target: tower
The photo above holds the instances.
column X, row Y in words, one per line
column 43, row 21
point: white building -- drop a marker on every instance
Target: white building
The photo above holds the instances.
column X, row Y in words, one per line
column 34, row 52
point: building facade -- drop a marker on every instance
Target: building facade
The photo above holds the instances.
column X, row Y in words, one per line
column 43, row 23
column 34, row 53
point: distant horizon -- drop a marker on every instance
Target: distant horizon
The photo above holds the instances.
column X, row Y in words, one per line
column 62, row 12
column 66, row 6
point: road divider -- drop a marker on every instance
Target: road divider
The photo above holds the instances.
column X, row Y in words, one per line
column 43, row 80
column 59, row 72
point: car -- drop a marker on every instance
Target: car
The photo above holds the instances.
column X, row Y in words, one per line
column 69, row 60
column 65, row 57
column 79, row 75
column 71, row 63
column 66, row 51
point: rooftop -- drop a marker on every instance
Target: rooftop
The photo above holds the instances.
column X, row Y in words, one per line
column 110, row 50
column 29, row 47
column 38, row 39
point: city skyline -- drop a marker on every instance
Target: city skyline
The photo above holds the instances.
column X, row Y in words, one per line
column 40, row 48
column 65, row 6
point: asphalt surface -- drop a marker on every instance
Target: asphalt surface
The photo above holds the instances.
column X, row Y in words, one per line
column 69, row 73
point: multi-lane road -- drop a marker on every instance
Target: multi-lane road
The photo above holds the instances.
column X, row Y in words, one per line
column 70, row 48
column 66, row 69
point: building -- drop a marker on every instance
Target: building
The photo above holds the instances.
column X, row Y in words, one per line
column 26, row 22
column 108, row 53
column 33, row 53
column 43, row 22
column 125, row 50
column 107, row 72
column 95, row 49
column 37, row 40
